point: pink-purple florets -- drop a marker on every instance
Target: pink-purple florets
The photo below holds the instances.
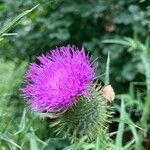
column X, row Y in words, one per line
column 62, row 75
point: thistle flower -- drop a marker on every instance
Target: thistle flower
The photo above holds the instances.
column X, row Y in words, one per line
column 62, row 76
column 64, row 82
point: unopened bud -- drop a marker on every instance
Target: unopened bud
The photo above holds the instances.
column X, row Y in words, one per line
column 108, row 93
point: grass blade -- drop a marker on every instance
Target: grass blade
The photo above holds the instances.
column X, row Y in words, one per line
column 16, row 20
column 118, row 142
column 107, row 69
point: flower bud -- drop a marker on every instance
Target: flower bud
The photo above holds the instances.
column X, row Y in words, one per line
column 108, row 93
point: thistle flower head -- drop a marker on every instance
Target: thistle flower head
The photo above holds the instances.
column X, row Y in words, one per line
column 62, row 76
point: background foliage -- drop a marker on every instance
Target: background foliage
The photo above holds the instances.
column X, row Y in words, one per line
column 88, row 23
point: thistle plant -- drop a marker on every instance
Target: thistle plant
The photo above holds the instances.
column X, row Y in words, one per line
column 63, row 87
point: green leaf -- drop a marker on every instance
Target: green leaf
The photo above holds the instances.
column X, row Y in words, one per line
column 107, row 69
column 15, row 21
column 22, row 123
column 33, row 141
column 116, row 41
column 8, row 140
column 119, row 137
column 129, row 145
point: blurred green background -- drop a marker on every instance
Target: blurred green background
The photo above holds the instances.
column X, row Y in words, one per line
column 86, row 23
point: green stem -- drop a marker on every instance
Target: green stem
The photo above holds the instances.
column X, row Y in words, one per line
column 107, row 69
column 147, row 98
column 146, row 113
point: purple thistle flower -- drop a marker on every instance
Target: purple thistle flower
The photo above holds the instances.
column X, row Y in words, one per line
column 63, row 75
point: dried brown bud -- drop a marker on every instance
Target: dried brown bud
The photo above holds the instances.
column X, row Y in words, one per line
column 108, row 93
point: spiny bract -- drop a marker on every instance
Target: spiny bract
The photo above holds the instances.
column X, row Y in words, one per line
column 62, row 76
column 87, row 118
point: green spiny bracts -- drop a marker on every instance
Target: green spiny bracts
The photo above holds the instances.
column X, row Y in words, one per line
column 88, row 117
